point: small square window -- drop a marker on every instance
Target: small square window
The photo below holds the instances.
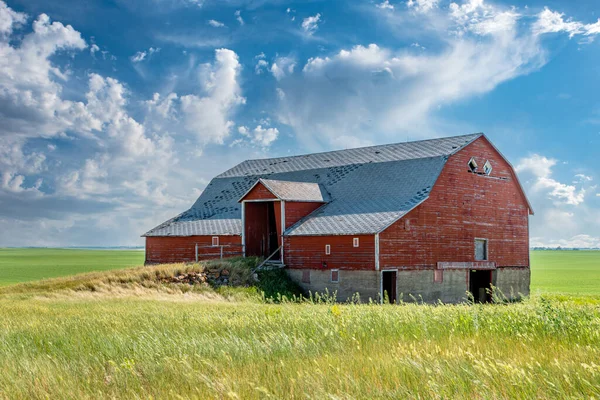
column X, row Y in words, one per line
column 335, row 275
column 327, row 249
column 438, row 275
column 481, row 250
column 472, row 164
column 355, row 242
column 305, row 276
column 487, row 168
column 215, row 241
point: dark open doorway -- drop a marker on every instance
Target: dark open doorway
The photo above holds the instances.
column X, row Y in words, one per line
column 388, row 286
column 480, row 282
column 262, row 220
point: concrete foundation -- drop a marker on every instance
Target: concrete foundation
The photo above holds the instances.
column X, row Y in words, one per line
column 513, row 282
column 365, row 283
column 411, row 285
column 418, row 285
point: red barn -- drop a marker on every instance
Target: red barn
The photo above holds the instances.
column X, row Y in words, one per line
column 426, row 220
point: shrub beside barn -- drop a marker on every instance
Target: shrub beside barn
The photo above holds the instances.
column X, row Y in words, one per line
column 426, row 220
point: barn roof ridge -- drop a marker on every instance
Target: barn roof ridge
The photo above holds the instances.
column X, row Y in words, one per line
column 359, row 155
column 369, row 147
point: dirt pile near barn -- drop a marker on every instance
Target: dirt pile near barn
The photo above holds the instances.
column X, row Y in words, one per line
column 214, row 277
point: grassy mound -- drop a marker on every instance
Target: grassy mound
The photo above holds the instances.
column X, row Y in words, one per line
column 229, row 278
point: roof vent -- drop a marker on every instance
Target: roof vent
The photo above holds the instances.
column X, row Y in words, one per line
column 487, row 167
column 472, row 165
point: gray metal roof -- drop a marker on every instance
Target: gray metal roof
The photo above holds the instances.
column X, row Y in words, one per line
column 296, row 191
column 367, row 188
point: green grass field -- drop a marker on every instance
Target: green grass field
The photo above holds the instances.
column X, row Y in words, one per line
column 124, row 334
column 23, row 265
column 570, row 272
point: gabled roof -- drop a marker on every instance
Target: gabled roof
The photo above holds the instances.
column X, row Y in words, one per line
column 369, row 188
column 293, row 191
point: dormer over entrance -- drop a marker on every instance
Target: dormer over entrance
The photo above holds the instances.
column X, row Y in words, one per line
column 272, row 206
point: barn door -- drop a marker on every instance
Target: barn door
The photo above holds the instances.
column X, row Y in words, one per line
column 388, row 286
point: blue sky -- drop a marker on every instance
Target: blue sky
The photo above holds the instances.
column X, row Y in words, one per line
column 114, row 115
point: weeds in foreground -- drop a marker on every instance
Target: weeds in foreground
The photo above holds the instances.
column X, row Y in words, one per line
column 130, row 347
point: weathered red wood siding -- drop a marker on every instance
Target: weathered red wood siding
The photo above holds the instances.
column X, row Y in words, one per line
column 309, row 252
column 296, row 210
column 176, row 249
column 463, row 206
column 277, row 207
column 256, row 228
column 259, row 192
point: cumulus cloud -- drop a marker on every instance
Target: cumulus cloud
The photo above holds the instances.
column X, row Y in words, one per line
column 422, row 6
column 71, row 166
column 207, row 116
column 549, row 21
column 563, row 215
column 260, row 136
column 369, row 89
column 372, row 88
column 311, row 24
column 9, row 19
column 541, row 168
column 283, row 66
column 238, row 17
column 216, row 24
column 385, row 5
column 144, row 55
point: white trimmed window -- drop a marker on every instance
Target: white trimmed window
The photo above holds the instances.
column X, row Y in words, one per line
column 472, row 164
column 487, row 167
column 355, row 242
column 327, row 249
column 335, row 275
column 215, row 241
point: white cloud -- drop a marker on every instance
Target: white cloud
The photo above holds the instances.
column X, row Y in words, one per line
column 369, row 89
column 208, row 116
column 565, row 214
column 549, row 21
column 311, row 24
column 481, row 18
column 94, row 49
column 541, row 168
column 386, row 5
column 9, row 19
column 144, row 55
column 552, row 21
column 283, row 66
column 261, row 66
column 215, row 23
column 422, row 6
column 259, row 136
column 577, row 241
column 113, row 167
column 238, row 17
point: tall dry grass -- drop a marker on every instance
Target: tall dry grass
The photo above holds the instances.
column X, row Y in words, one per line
column 142, row 347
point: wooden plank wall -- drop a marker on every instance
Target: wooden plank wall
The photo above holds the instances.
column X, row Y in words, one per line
column 162, row 250
column 461, row 207
column 309, row 252
column 296, row 210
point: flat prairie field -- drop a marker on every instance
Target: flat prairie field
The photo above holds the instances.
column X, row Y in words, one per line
column 566, row 271
column 30, row 264
column 570, row 272
column 126, row 334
